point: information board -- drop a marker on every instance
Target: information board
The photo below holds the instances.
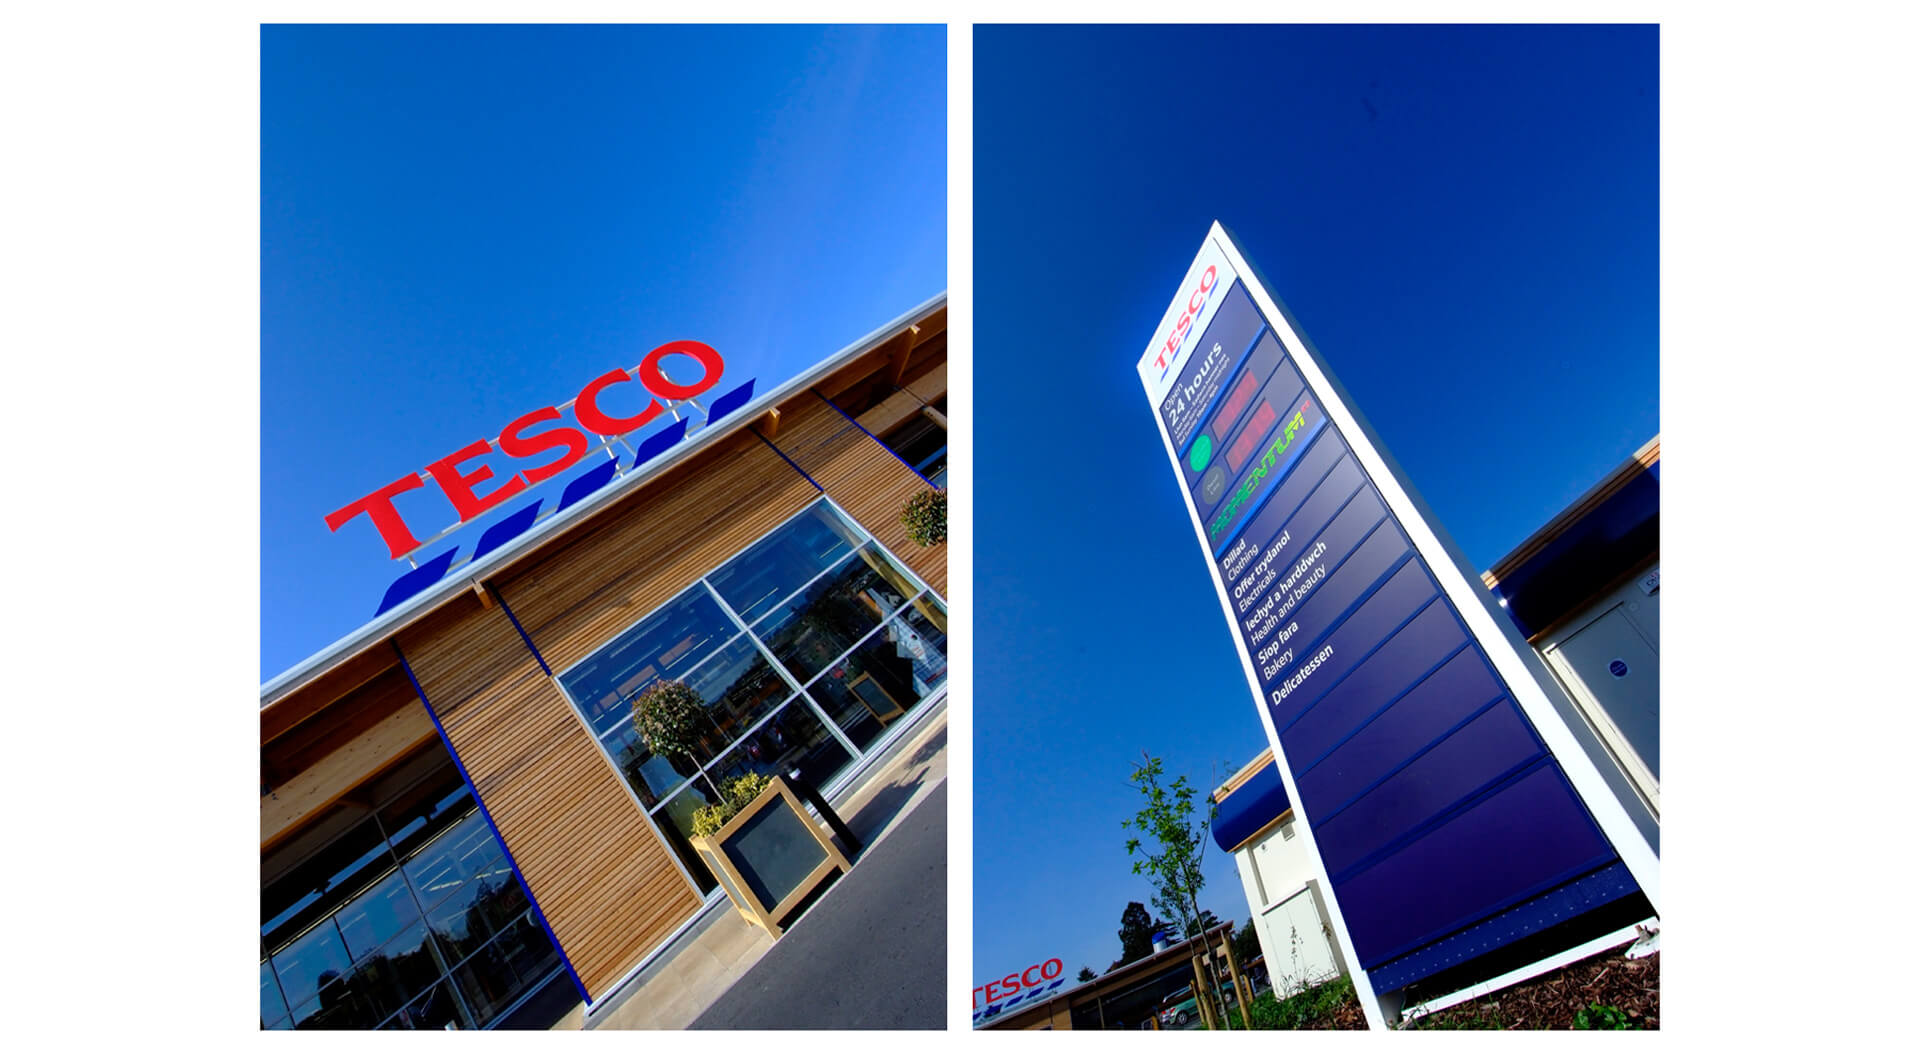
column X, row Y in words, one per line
column 1451, row 812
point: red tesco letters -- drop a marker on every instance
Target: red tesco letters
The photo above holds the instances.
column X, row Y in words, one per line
column 516, row 441
column 1001, row 989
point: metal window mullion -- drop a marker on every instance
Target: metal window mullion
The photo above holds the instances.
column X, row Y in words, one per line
column 864, row 638
column 898, row 564
column 793, row 593
column 781, row 668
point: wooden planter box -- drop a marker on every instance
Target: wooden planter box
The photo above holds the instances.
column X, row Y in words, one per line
column 771, row 856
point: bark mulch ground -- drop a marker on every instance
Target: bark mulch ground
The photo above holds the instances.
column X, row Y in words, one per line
column 1555, row 999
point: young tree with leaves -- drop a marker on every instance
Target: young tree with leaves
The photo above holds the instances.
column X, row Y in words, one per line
column 1086, row 974
column 1172, row 861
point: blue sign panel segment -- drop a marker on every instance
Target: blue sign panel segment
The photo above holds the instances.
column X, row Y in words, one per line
column 1434, row 803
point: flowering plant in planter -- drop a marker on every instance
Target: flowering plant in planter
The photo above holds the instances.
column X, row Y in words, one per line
column 667, row 716
column 925, row 516
column 734, row 796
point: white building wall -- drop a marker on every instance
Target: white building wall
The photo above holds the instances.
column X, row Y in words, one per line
column 1289, row 916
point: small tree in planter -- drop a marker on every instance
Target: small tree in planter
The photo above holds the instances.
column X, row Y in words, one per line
column 925, row 516
column 667, row 716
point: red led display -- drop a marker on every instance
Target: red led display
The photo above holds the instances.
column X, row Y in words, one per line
column 1235, row 402
column 1256, row 428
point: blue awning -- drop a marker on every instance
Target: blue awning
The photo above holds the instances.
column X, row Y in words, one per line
column 1605, row 543
column 1250, row 807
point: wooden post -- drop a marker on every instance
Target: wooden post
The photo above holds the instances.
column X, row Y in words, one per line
column 1200, row 995
column 1240, row 984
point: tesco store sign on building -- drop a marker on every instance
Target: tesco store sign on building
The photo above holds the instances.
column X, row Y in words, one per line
column 1451, row 809
column 474, row 491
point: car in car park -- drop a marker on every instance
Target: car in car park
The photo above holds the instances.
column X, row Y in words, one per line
column 1179, row 1007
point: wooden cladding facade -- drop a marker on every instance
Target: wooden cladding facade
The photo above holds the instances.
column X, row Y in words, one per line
column 608, row 885
column 601, row 875
column 651, row 546
column 863, row 477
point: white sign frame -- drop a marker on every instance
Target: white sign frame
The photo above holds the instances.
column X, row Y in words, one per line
column 1494, row 633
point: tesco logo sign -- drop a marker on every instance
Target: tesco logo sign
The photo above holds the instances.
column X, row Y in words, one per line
column 542, row 433
column 1196, row 301
column 1014, row 984
column 524, row 438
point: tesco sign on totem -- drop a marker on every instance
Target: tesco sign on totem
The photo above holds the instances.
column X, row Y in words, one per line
column 474, row 491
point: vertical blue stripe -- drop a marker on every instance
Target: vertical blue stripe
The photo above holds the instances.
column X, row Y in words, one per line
column 488, row 817
column 871, row 436
column 784, row 458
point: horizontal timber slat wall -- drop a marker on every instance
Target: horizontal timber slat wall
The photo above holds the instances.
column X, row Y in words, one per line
column 652, row 546
column 865, row 478
column 602, row 877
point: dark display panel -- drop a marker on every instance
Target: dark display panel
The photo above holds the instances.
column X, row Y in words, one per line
column 1434, row 803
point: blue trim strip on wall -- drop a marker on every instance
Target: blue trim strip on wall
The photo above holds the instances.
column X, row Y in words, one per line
column 784, row 458
column 523, row 633
column 488, row 817
column 871, row 436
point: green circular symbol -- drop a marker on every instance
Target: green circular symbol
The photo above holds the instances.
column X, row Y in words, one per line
column 1201, row 454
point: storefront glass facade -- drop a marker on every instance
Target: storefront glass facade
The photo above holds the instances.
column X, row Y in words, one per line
column 804, row 648
column 411, row 919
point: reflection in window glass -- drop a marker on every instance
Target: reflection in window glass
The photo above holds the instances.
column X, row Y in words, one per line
column 434, row 1009
column 825, row 619
column 273, row 1007
column 664, row 646
column 793, row 739
column 376, row 915
column 764, row 574
column 487, row 982
column 316, row 960
column 345, row 923
column 291, row 903
column 398, row 972
column 739, row 687
column 884, row 678
column 651, row 775
column 526, row 947
column 675, row 821
column 468, row 852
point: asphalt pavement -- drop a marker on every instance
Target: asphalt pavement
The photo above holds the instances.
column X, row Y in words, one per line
column 871, row 953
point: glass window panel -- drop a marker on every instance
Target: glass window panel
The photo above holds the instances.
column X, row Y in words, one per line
column 273, row 1007
column 468, row 919
column 337, row 1007
column 402, row 968
column 675, row 821
column 376, row 915
column 424, row 810
column 793, row 739
column 467, row 853
column 825, row 619
column 526, row 947
column 488, row 983
column 739, row 687
column 314, row 961
column 763, row 575
column 291, row 903
column 885, row 677
column 433, row 1009
column 664, row 646
column 651, row 775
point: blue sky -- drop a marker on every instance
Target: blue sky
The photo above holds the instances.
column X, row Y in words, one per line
column 462, row 224
column 1464, row 220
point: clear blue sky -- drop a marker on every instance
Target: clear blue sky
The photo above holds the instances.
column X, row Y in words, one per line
column 1464, row 220
column 462, row 224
